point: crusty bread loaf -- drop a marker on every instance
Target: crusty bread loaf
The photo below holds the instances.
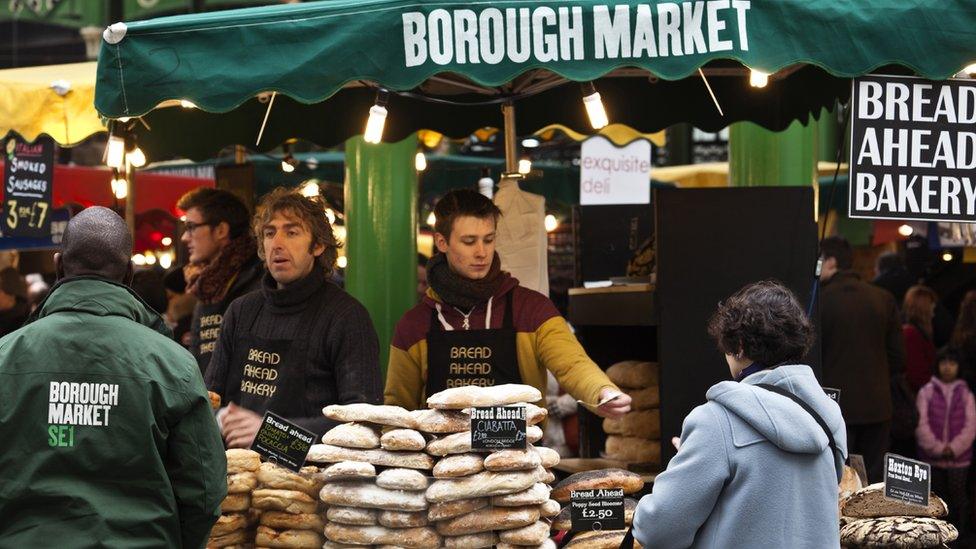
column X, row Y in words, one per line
column 352, row 435
column 460, row 443
column 235, row 503
column 485, row 520
column 329, row 544
column 549, row 457
column 548, row 477
column 513, row 460
column 902, row 532
column 456, row 508
column 480, row 540
column 280, row 520
column 273, row 476
column 482, row 484
column 633, row 374
column 639, row 423
column 355, row 516
column 368, row 495
column 459, row 465
column 645, row 399
column 347, row 470
column 532, row 534
column 228, row 523
column 870, row 502
column 441, row 421
column 550, row 508
column 597, row 479
column 327, row 453
column 229, row 539
column 289, row 501
column 547, row 544
column 402, row 479
column 537, row 494
column 563, row 520
column 394, row 416
column 418, row 538
column 241, row 483
column 288, row 539
column 403, row 519
column 607, row 539
column 240, row 460
column 403, row 440
column 633, row 449
column 469, row 396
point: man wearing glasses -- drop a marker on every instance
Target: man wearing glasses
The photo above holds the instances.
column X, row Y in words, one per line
column 223, row 263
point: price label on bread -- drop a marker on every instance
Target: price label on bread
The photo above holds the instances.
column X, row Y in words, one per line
column 597, row 509
column 498, row 428
column 281, row 441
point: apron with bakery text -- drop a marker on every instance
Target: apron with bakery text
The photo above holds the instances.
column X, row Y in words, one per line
column 456, row 358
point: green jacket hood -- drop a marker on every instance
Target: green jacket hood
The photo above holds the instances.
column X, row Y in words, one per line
column 100, row 297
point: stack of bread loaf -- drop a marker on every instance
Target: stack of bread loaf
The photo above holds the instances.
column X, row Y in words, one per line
column 290, row 514
column 630, row 482
column 484, row 499
column 636, row 437
column 233, row 528
column 868, row 520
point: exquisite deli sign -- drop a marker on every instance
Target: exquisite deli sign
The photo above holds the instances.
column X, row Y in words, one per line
column 913, row 149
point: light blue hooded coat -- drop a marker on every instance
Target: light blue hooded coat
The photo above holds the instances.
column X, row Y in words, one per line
column 754, row 470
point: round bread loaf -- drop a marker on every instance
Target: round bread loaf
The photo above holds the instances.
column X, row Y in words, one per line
column 550, row 508
column 228, row 523
column 870, row 503
column 597, row 479
column 645, row 399
column 412, row 538
column 533, row 534
column 289, row 521
column 513, row 460
column 456, row 508
column 537, row 494
column 549, row 457
column 347, row 470
column 902, row 532
column 471, row 541
column 403, row 440
column 402, row 479
column 633, row 449
column 633, row 374
column 352, row 435
column 288, row 539
column 459, row 465
column 279, row 478
column 402, row 519
column 289, row 501
column 235, row 503
column 355, row 516
column 240, row 460
column 241, row 483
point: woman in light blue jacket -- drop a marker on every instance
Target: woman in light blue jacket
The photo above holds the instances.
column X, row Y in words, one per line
column 754, row 468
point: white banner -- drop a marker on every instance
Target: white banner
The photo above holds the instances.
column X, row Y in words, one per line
column 615, row 175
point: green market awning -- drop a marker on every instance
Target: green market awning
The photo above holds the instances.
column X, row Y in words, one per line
column 449, row 64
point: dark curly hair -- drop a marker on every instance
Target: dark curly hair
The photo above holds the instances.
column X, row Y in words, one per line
column 764, row 321
column 310, row 211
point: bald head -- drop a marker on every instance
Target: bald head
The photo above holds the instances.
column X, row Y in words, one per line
column 96, row 242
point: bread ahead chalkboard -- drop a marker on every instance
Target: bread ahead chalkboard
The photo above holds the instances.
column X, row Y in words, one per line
column 498, row 428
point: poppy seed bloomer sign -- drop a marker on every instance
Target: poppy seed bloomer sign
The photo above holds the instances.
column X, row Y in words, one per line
column 913, row 149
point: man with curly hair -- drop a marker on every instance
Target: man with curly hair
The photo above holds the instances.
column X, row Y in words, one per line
column 301, row 342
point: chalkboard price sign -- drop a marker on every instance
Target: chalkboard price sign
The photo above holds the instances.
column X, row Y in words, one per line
column 281, row 441
column 28, row 175
column 498, row 428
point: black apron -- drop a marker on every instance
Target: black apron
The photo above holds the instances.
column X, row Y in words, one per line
column 211, row 316
column 272, row 374
column 486, row 358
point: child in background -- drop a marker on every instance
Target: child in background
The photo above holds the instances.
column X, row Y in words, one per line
column 945, row 432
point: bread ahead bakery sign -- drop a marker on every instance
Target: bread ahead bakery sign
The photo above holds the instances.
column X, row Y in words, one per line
column 913, row 149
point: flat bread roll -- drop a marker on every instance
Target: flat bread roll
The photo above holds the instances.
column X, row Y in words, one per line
column 547, row 544
column 471, row 541
column 537, row 494
column 564, row 521
column 333, row 545
column 241, row 483
column 903, row 532
column 441, row 421
column 633, row 374
column 470, row 396
column 403, row 440
column 402, row 479
column 402, row 519
column 549, row 457
column 870, row 503
column 347, row 470
column 513, row 460
column 394, row 416
column 352, row 435
column 633, row 450
column 368, row 495
column 279, row 478
column 413, row 538
column 240, row 460
column 289, row 501
column 355, row 516
column 600, row 478
column 639, row 423
column 482, row 484
column 533, row 534
column 608, row 539
column 456, row 508
column 550, row 508
column 288, row 539
column 548, row 477
column 645, row 399
column 228, row 539
column 460, row 443
column 459, row 465
column 228, row 523
column 289, row 521
column 235, row 503
column 485, row 520
column 327, row 453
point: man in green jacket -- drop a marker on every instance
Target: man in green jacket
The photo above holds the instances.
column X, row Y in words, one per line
column 108, row 438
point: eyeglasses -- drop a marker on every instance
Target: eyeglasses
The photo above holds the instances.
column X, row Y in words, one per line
column 191, row 226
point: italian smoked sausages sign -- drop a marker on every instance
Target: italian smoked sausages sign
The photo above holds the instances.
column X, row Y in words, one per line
column 913, row 149
column 28, row 175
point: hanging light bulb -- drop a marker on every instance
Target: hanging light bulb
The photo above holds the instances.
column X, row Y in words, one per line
column 166, row 241
column 551, row 223
column 139, row 259
column 431, row 219
column 530, row 142
column 420, row 161
column 342, row 262
column 525, row 166
column 377, row 118
column 594, row 106
column 947, row 257
column 120, row 188
column 136, row 157
column 150, row 258
column 758, row 79
column 310, row 189
column 905, row 230
column 166, row 260
column 115, row 152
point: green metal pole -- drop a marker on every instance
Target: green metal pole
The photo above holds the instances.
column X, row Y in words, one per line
column 759, row 157
column 381, row 232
